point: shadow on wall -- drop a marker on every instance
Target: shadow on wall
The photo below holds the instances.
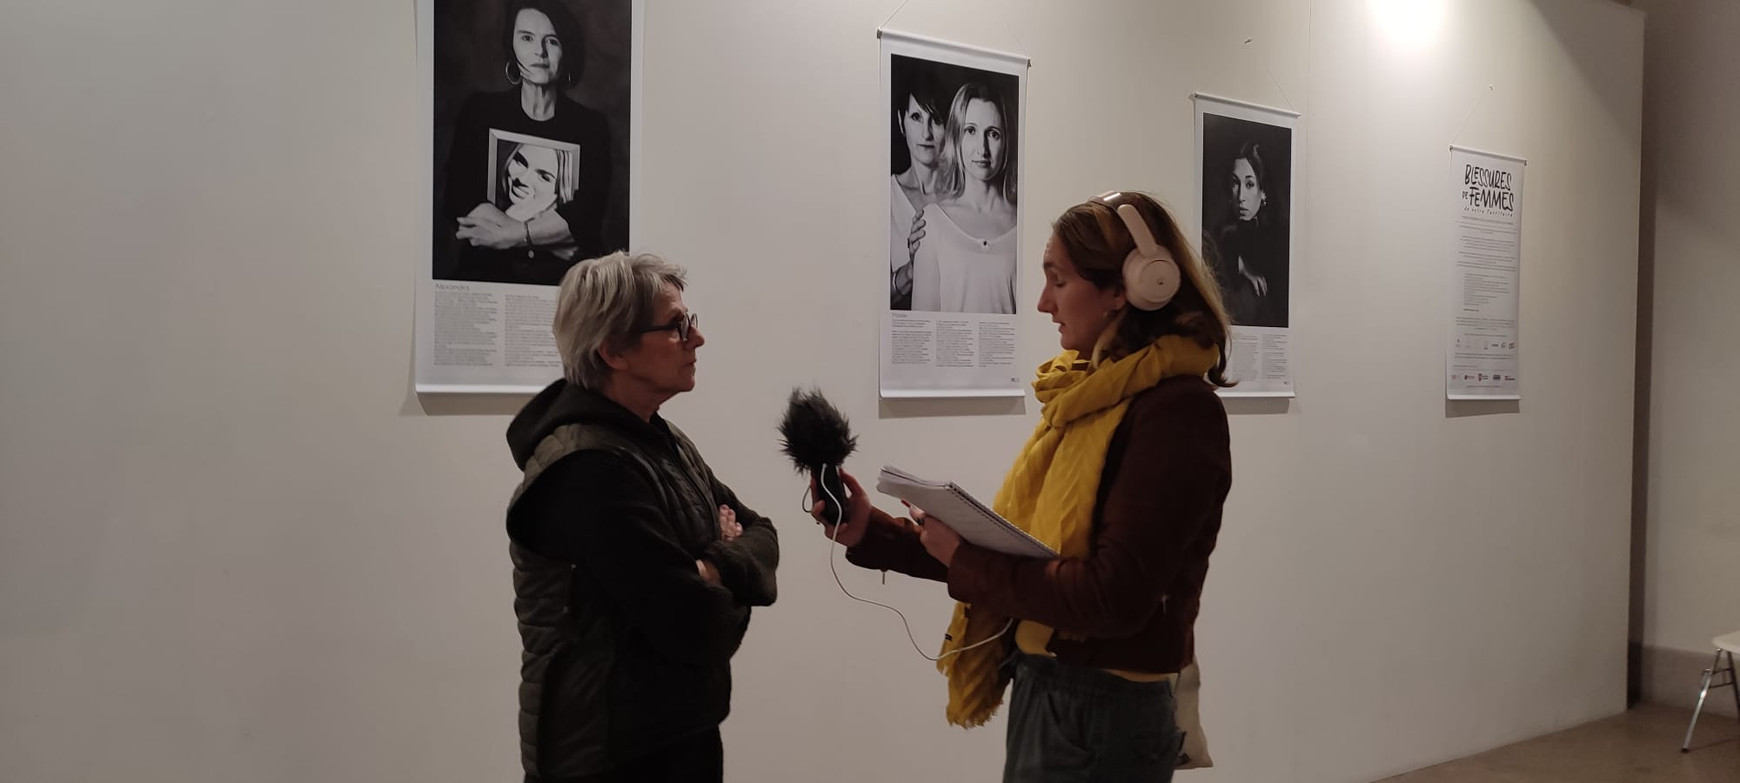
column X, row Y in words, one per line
column 419, row 404
column 1642, row 385
column 966, row 406
column 1578, row 34
column 1458, row 409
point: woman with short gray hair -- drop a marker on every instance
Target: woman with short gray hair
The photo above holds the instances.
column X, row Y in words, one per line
column 634, row 566
column 613, row 296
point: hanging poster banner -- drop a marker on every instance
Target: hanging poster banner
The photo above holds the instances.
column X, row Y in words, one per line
column 953, row 222
column 1245, row 167
column 530, row 105
column 1486, row 261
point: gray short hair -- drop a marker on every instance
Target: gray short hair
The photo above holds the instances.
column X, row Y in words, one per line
column 607, row 298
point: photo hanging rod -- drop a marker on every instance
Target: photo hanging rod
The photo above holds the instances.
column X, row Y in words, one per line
column 1466, row 148
column 1245, row 104
column 897, row 35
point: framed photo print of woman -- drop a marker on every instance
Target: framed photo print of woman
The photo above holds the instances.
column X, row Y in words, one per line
column 531, row 111
column 1245, row 155
column 954, row 117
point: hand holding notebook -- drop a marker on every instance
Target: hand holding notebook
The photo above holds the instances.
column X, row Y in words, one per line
column 963, row 513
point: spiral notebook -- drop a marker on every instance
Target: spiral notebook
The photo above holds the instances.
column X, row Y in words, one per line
column 975, row 521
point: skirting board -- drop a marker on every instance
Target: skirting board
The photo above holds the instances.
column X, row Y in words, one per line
column 1672, row 676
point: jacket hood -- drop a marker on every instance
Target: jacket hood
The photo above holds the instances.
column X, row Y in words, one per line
column 559, row 405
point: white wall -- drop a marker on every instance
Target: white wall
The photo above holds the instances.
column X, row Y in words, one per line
column 1692, row 552
column 233, row 545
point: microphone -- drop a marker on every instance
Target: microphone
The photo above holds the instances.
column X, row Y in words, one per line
column 818, row 440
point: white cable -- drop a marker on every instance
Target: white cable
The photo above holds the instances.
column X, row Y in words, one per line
column 832, row 567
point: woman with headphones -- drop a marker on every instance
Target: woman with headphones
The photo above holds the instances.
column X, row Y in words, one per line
column 1125, row 478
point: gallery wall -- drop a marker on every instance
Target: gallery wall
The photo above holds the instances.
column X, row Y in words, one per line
column 234, row 544
column 1689, row 534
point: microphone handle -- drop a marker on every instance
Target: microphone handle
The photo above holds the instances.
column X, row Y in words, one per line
column 832, row 489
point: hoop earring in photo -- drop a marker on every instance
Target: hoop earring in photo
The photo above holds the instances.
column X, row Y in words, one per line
column 511, row 72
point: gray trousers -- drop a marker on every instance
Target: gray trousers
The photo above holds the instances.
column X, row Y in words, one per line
column 1071, row 724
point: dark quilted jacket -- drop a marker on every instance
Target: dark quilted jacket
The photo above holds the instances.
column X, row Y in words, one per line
column 622, row 653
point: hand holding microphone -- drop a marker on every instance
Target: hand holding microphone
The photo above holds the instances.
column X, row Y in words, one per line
column 851, row 531
column 818, row 440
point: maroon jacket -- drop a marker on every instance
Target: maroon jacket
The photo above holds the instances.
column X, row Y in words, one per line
column 1134, row 598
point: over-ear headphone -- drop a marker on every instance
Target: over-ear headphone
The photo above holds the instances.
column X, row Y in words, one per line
column 1151, row 276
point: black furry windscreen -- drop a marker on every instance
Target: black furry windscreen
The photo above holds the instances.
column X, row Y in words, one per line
column 815, row 433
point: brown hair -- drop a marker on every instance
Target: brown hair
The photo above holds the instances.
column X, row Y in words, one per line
column 568, row 32
column 1097, row 242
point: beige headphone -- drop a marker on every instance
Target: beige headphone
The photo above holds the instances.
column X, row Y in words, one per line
column 1151, row 276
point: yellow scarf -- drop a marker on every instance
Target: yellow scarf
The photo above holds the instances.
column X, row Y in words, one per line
column 1052, row 489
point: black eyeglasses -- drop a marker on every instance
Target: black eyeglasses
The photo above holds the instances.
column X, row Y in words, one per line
column 683, row 325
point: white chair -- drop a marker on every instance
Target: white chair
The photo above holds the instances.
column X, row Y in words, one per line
column 1726, row 646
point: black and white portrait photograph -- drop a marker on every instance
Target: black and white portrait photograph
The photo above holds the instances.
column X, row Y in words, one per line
column 1247, row 169
column 953, row 190
column 532, row 176
column 952, row 110
column 532, row 106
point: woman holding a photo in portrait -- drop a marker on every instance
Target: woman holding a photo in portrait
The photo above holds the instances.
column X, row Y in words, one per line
column 918, row 117
column 1250, row 248
column 966, row 259
column 505, row 239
